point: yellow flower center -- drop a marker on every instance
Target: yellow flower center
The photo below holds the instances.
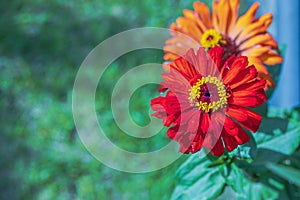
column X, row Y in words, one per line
column 208, row 94
column 210, row 39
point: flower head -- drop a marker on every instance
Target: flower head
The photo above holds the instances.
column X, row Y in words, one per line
column 244, row 35
column 207, row 99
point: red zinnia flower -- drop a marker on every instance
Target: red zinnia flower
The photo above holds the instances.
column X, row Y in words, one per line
column 245, row 35
column 207, row 99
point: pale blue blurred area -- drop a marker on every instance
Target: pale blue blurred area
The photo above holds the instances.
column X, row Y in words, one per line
column 285, row 29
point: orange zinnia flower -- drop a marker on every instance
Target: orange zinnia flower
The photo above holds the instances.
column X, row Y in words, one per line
column 243, row 35
column 207, row 99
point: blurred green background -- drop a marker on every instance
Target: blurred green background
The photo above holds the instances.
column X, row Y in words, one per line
column 42, row 44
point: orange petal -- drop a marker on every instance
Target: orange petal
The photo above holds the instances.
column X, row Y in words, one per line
column 262, row 71
column 271, row 42
column 174, row 27
column 178, row 45
column 220, row 14
column 190, row 15
column 183, row 40
column 170, row 56
column 225, row 15
column 258, row 64
column 175, row 50
column 265, row 39
column 271, row 58
column 259, row 26
column 256, row 51
column 269, row 80
column 203, row 13
column 215, row 18
column 190, row 27
column 244, row 20
column 234, row 7
column 166, row 66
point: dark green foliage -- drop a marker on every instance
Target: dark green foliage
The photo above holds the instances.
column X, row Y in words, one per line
column 271, row 173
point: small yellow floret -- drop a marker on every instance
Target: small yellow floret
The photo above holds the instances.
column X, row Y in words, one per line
column 210, row 39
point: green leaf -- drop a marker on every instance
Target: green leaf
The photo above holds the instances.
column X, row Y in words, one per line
column 271, row 127
column 291, row 114
column 263, row 109
column 197, row 179
column 247, row 187
column 286, row 143
column 246, row 151
column 279, row 135
column 236, row 179
column 290, row 174
column 263, row 158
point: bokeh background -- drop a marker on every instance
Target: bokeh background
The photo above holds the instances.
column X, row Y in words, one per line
column 42, row 44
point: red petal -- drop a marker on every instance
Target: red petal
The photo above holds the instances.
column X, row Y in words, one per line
column 194, row 122
column 235, row 68
column 249, row 119
column 216, row 55
column 230, row 126
column 185, row 67
column 218, row 149
column 247, row 98
column 191, row 119
column 243, row 76
column 252, row 86
column 229, row 141
column 214, row 132
column 202, row 62
column 240, row 136
column 172, row 132
column 243, row 101
column 162, row 89
column 204, row 123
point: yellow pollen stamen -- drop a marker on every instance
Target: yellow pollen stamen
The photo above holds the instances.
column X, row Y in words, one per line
column 211, row 38
column 195, row 94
